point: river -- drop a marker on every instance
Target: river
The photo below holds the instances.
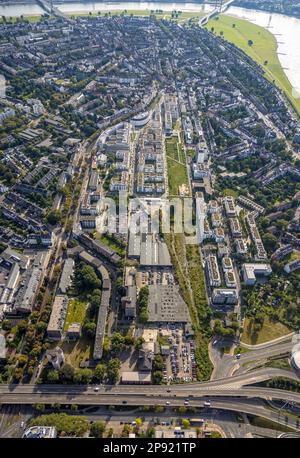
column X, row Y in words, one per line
column 285, row 28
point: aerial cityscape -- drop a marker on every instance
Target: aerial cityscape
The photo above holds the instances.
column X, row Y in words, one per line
column 149, row 220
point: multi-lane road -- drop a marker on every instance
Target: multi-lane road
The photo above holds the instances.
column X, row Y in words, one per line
column 222, row 396
column 225, row 364
column 230, row 387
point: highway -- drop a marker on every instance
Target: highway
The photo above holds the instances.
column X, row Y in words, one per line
column 223, row 412
column 233, row 382
column 90, row 398
column 225, row 365
column 219, row 400
column 231, row 387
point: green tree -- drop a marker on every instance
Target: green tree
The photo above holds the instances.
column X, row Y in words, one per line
column 89, row 329
column 53, row 217
column 139, row 422
column 185, row 423
column 53, row 376
column 100, row 372
column 98, row 429
column 110, row 432
column 83, row 376
column 270, row 242
column 157, row 377
column 139, row 343
column 126, row 430
column 117, row 342
column 70, row 425
column 39, row 407
column 113, row 370
column 67, row 371
column 86, row 278
column 6, row 325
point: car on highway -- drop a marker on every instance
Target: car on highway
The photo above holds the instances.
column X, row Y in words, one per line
column 96, row 388
column 167, row 403
column 186, row 402
column 238, row 355
column 207, row 404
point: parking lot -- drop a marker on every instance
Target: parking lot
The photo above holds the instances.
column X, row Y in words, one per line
column 178, row 355
column 147, row 277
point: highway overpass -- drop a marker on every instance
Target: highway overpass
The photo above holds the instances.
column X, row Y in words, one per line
column 151, row 395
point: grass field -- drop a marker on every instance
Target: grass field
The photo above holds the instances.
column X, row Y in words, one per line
column 189, row 274
column 264, row 48
column 76, row 352
column 160, row 14
column 269, row 331
column 14, row 19
column 230, row 192
column 110, row 243
column 177, row 171
column 76, row 312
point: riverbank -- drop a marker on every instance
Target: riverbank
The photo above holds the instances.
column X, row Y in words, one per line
column 263, row 49
column 160, row 14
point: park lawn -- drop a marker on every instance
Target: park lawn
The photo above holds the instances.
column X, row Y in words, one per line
column 264, row 48
column 230, row 192
column 172, row 148
column 177, row 176
column 76, row 312
column 177, row 172
column 270, row 330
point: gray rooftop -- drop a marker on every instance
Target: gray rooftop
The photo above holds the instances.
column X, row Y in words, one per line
column 167, row 305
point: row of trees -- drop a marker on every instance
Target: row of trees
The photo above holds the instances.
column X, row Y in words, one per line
column 143, row 304
column 109, row 372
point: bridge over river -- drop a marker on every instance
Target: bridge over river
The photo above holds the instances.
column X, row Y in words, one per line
column 219, row 8
column 49, row 8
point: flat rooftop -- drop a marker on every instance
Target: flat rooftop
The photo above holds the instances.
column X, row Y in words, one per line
column 167, row 305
